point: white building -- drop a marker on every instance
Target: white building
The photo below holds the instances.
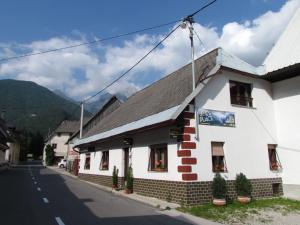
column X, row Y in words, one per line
column 284, row 61
column 59, row 137
column 238, row 119
column 155, row 131
column 286, row 51
column 73, row 155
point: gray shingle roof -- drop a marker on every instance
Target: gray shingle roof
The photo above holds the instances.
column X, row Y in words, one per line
column 68, row 126
column 166, row 93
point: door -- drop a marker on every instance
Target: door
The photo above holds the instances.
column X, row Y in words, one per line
column 126, row 162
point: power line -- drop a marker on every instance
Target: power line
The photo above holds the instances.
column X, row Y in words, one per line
column 202, row 8
column 201, row 42
column 90, row 42
column 127, row 71
column 104, row 39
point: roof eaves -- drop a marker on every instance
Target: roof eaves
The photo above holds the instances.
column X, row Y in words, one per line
column 197, row 90
column 231, row 61
column 149, row 120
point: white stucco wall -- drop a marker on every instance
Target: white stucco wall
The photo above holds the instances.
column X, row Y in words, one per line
column 245, row 145
column 115, row 158
column 139, row 157
column 287, row 49
column 287, row 110
column 62, row 147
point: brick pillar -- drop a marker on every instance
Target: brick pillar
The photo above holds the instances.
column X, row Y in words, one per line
column 187, row 146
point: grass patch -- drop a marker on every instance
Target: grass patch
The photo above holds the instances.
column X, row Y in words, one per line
column 236, row 212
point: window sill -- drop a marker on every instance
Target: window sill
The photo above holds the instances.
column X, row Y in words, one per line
column 103, row 169
column 242, row 106
column 220, row 171
column 158, row 171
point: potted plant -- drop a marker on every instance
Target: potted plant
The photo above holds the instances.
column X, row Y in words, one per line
column 159, row 166
column 115, row 178
column 243, row 188
column 129, row 181
column 105, row 166
column 219, row 190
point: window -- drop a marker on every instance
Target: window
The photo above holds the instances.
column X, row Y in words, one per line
column 158, row 158
column 273, row 159
column 87, row 163
column 240, row 94
column 54, row 146
column 218, row 157
column 104, row 160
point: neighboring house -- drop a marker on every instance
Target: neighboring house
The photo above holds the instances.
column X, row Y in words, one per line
column 59, row 137
column 176, row 138
column 286, row 51
column 284, row 58
column 286, row 95
column 73, row 155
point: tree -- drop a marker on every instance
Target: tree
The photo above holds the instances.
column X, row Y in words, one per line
column 243, row 185
column 115, row 177
column 219, row 188
column 49, row 155
column 36, row 145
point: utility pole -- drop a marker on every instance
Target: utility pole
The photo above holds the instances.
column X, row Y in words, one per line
column 81, row 121
column 189, row 21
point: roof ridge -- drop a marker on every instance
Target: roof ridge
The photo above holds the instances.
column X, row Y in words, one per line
column 173, row 73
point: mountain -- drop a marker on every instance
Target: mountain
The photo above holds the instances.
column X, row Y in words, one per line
column 94, row 106
column 33, row 107
column 63, row 95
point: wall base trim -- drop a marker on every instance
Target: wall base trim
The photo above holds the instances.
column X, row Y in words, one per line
column 189, row 193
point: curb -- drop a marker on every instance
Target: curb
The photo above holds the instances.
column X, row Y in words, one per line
column 165, row 208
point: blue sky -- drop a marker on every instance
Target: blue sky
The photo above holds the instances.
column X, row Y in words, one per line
column 33, row 25
column 26, row 21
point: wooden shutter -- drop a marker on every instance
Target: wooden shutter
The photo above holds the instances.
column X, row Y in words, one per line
column 217, row 148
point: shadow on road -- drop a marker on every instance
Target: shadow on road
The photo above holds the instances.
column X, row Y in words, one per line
column 74, row 202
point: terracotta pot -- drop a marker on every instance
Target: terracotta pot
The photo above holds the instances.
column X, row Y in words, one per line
column 244, row 199
column 128, row 191
column 219, row 202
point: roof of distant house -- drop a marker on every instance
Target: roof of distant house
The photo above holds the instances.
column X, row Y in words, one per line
column 100, row 111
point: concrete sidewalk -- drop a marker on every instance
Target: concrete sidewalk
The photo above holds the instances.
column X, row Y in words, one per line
column 166, row 208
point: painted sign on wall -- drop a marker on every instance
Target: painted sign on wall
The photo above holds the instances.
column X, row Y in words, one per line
column 216, row 118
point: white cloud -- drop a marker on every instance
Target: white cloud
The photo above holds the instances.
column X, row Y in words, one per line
column 82, row 71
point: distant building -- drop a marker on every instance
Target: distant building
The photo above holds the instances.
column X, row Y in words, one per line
column 59, row 137
column 73, row 155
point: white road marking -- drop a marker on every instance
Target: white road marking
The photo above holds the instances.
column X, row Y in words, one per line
column 39, row 189
column 45, row 200
column 35, row 182
column 59, row 221
column 32, row 178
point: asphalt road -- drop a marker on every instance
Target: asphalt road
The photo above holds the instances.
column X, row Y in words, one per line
column 39, row 196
